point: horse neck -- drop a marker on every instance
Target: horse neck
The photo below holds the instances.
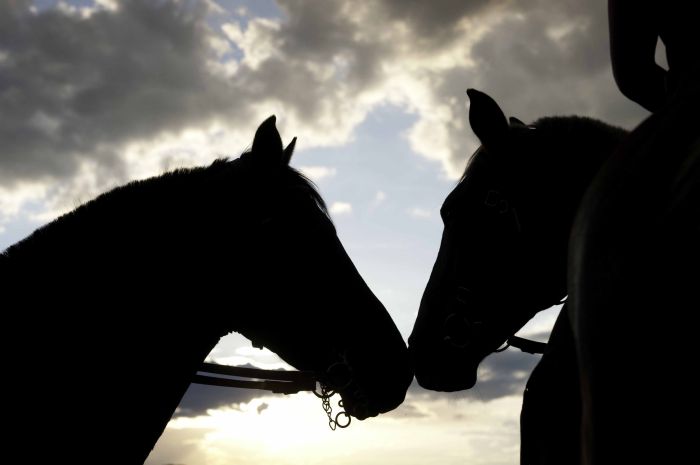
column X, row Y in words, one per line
column 166, row 245
column 577, row 149
column 138, row 290
column 557, row 174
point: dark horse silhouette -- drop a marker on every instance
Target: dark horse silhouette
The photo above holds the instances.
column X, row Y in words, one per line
column 110, row 310
column 506, row 254
column 634, row 251
column 634, row 276
column 503, row 258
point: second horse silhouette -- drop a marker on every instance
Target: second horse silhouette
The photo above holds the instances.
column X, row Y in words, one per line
column 503, row 258
column 630, row 272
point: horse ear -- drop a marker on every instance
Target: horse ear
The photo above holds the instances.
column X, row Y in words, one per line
column 287, row 156
column 267, row 144
column 486, row 118
column 515, row 121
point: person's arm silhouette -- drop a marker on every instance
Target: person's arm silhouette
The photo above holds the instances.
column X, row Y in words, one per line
column 633, row 37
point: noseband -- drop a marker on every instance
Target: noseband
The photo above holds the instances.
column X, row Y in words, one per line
column 468, row 326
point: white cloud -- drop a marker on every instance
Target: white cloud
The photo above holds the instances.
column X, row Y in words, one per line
column 318, row 173
column 13, row 200
column 379, row 198
column 258, row 42
column 420, row 213
column 111, row 5
column 340, row 208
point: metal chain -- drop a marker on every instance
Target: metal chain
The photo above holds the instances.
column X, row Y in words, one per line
column 325, row 396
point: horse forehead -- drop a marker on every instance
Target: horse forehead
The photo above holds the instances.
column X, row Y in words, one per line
column 478, row 171
column 522, row 146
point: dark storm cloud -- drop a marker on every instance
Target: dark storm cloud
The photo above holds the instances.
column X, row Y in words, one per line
column 78, row 88
column 500, row 375
column 73, row 87
column 503, row 375
column 542, row 60
column 200, row 398
column 539, row 58
column 433, row 18
column 318, row 26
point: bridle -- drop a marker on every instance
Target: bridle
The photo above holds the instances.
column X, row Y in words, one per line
column 494, row 200
column 468, row 324
column 323, row 385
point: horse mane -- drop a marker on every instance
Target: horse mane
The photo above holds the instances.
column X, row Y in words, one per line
column 552, row 164
column 589, row 131
column 575, row 148
column 185, row 179
column 289, row 178
column 170, row 192
column 571, row 141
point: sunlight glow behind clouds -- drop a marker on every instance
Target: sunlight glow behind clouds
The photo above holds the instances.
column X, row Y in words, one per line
column 293, row 429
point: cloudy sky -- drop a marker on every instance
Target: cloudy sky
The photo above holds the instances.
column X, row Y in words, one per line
column 94, row 93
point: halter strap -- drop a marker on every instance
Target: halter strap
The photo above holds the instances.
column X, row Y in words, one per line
column 526, row 345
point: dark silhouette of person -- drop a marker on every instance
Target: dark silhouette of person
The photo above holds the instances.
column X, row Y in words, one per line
column 635, row 249
column 635, row 27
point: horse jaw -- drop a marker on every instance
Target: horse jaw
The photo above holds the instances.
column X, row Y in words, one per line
column 445, row 370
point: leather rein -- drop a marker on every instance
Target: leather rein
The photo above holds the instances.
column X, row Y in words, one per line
column 279, row 382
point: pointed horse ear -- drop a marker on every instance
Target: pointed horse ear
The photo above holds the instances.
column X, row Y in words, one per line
column 515, row 121
column 287, row 155
column 267, row 144
column 486, row 118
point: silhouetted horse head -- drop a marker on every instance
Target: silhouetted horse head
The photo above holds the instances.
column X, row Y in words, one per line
column 306, row 301
column 503, row 253
column 123, row 298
